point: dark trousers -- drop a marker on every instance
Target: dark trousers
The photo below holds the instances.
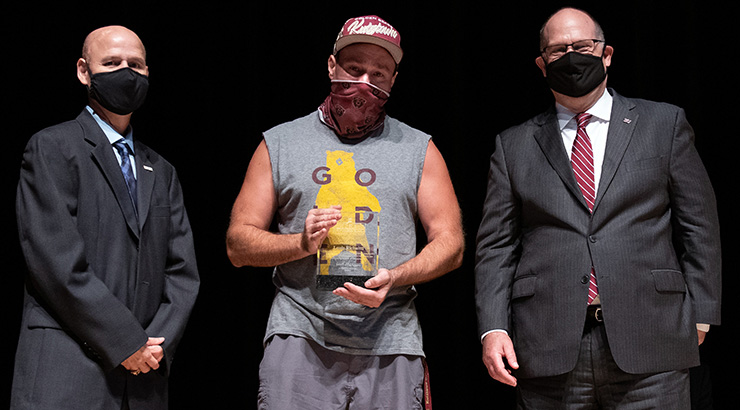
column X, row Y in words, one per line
column 597, row 383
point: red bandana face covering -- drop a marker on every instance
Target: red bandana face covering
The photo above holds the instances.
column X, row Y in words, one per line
column 354, row 108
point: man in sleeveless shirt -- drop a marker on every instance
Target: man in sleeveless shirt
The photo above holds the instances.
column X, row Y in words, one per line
column 347, row 173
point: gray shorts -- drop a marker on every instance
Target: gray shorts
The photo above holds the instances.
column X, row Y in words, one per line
column 297, row 373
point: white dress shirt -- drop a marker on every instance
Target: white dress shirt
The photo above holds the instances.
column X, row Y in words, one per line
column 596, row 129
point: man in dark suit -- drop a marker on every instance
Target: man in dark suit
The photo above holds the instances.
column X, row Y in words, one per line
column 112, row 275
column 598, row 255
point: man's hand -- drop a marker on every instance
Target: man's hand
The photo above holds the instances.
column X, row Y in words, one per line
column 374, row 292
column 496, row 347
column 147, row 358
column 702, row 335
column 318, row 223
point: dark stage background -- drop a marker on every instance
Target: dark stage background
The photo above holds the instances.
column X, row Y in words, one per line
column 223, row 73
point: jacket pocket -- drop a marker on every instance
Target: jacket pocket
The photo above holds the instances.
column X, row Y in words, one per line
column 669, row 280
column 160, row 211
column 523, row 287
column 644, row 164
column 39, row 318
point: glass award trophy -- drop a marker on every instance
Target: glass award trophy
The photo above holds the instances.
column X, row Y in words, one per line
column 350, row 251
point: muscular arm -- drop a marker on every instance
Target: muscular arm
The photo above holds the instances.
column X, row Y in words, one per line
column 439, row 214
column 248, row 241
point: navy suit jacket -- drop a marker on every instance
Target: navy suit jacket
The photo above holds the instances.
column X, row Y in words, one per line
column 100, row 279
column 653, row 239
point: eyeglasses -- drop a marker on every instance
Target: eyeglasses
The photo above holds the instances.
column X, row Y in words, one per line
column 582, row 46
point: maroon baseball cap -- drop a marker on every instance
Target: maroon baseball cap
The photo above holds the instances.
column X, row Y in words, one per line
column 373, row 30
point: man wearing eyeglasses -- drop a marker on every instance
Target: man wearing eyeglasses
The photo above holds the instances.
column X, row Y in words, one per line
column 598, row 255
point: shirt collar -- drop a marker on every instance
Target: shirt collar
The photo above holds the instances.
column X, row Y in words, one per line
column 112, row 134
column 602, row 111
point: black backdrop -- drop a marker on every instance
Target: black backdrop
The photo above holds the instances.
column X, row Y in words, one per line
column 223, row 73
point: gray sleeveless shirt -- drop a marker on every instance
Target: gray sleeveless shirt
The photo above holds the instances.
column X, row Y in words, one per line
column 381, row 172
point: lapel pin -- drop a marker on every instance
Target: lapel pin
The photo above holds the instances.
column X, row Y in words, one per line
column 627, row 120
column 148, row 168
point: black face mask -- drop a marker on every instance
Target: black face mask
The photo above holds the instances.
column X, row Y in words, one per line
column 575, row 74
column 121, row 91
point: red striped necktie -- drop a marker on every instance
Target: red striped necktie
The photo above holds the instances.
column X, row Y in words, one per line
column 582, row 160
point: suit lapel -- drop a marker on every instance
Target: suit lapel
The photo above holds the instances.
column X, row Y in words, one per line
column 102, row 154
column 621, row 128
column 145, row 181
column 550, row 141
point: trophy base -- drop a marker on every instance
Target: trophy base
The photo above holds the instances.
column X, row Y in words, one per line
column 331, row 282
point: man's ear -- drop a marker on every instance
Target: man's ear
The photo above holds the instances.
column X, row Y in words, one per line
column 332, row 65
column 83, row 72
column 607, row 56
column 541, row 64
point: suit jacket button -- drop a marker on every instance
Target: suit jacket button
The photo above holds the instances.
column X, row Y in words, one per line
column 584, row 279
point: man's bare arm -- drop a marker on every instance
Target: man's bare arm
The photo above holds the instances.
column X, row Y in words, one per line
column 439, row 213
column 248, row 239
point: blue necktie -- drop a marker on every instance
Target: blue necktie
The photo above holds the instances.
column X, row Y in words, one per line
column 128, row 172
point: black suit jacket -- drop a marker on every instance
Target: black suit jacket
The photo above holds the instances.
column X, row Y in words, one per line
column 100, row 280
column 653, row 240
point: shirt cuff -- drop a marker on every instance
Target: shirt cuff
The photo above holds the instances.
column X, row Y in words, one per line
column 492, row 331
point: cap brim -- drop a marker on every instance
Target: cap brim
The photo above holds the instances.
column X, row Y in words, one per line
column 392, row 49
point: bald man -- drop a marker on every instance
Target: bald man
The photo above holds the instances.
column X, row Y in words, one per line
column 598, row 255
column 112, row 275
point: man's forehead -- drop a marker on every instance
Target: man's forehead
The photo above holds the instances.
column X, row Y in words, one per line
column 570, row 25
column 115, row 42
column 366, row 52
